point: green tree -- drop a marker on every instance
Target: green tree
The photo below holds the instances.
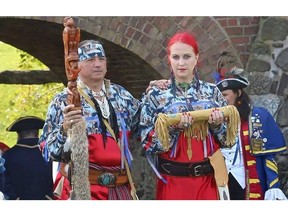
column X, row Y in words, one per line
column 28, row 62
column 22, row 100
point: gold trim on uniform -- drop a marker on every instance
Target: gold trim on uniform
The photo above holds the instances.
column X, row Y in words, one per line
column 251, row 162
column 254, row 195
column 272, row 166
column 253, row 181
column 274, row 182
column 245, row 133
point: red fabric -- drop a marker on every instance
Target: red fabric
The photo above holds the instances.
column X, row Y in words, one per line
column 109, row 156
column 251, row 170
column 188, row 188
column 66, row 187
column 4, row 147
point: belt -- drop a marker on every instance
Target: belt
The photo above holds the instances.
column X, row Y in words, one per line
column 194, row 169
column 107, row 178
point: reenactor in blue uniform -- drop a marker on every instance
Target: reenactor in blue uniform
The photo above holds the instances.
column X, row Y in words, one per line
column 27, row 176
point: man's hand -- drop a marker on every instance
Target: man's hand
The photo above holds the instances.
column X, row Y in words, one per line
column 160, row 84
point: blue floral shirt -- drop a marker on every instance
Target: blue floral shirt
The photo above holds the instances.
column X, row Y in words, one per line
column 127, row 109
column 199, row 95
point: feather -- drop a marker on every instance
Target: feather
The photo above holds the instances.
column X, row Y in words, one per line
column 236, row 71
column 216, row 76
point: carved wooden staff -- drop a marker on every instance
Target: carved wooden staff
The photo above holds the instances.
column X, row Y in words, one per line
column 77, row 141
column 71, row 38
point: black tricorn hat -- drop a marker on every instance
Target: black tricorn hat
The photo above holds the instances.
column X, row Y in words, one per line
column 233, row 80
column 26, row 123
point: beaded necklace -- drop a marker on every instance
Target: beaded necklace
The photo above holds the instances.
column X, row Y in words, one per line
column 98, row 94
column 183, row 87
column 102, row 101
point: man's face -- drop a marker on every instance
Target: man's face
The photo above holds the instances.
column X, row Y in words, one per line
column 93, row 69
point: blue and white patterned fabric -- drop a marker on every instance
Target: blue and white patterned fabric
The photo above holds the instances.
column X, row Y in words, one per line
column 200, row 95
column 124, row 105
column 90, row 50
column 2, row 162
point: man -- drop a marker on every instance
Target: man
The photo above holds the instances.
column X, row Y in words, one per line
column 110, row 113
column 27, row 175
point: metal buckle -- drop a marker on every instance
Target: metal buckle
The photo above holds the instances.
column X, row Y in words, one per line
column 107, row 179
column 197, row 171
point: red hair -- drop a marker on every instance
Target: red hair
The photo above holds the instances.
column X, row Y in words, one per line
column 183, row 37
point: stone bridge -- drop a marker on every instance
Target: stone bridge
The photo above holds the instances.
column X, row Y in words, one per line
column 135, row 46
column 136, row 51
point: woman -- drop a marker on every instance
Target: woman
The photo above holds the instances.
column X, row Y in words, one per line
column 251, row 163
column 185, row 170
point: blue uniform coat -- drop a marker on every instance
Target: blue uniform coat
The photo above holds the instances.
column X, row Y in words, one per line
column 27, row 175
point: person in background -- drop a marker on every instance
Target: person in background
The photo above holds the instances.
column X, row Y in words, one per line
column 111, row 113
column 251, row 163
column 3, row 148
column 27, row 175
column 185, row 171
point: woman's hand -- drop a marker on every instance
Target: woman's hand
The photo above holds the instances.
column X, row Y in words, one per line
column 216, row 118
column 185, row 121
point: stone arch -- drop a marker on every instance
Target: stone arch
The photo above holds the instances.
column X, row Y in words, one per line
column 135, row 46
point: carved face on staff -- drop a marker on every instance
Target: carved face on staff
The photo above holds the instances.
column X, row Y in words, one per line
column 68, row 21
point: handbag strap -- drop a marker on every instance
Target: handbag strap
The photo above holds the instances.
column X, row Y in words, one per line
column 133, row 189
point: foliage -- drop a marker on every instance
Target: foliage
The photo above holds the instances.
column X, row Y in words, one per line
column 21, row 100
column 15, row 59
column 29, row 62
column 9, row 58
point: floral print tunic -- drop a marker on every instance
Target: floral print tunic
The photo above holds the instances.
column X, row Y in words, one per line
column 198, row 95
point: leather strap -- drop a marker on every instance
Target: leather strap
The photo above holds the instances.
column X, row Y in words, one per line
column 133, row 189
column 194, row 169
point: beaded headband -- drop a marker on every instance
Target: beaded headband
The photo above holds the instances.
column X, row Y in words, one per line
column 90, row 50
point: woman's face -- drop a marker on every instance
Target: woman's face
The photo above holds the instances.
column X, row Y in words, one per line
column 230, row 96
column 183, row 61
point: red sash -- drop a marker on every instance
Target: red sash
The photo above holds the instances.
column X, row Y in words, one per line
column 253, row 187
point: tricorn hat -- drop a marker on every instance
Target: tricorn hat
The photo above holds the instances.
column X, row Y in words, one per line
column 233, row 80
column 26, row 123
